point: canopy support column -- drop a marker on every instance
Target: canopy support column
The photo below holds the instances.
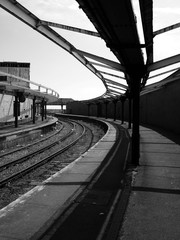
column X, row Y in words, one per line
column 106, row 109
column 115, row 103
column 122, row 99
column 34, row 110
column 89, row 105
column 98, row 104
column 136, row 111
column 16, row 110
column 45, row 109
column 42, row 110
column 129, row 123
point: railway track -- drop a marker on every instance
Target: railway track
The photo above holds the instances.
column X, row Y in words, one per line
column 8, row 168
column 20, row 174
column 28, row 146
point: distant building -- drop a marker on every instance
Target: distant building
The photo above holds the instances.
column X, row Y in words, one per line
column 20, row 70
column 59, row 105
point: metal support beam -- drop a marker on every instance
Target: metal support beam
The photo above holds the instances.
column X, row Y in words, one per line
column 113, row 87
column 45, row 109
column 23, row 14
column 122, row 98
column 42, row 110
column 115, row 104
column 98, row 109
column 166, row 29
column 136, row 110
column 89, row 105
column 105, row 61
column 122, row 112
column 146, row 10
column 65, row 27
column 115, row 83
column 103, row 65
column 164, row 63
column 16, row 110
column 61, row 108
column 34, row 110
column 112, row 91
column 129, row 123
column 164, row 72
column 112, row 75
column 106, row 109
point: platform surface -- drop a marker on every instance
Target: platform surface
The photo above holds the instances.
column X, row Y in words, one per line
column 31, row 214
column 154, row 203
column 154, row 207
column 29, row 126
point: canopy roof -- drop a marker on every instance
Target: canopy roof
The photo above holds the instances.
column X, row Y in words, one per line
column 116, row 23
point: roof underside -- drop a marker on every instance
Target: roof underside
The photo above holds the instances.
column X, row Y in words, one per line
column 116, row 23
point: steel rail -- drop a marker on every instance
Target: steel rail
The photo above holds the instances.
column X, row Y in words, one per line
column 30, row 145
column 26, row 157
column 41, row 162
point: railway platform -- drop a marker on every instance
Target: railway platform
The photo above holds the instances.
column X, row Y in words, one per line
column 144, row 206
column 11, row 136
column 30, row 215
column 153, row 209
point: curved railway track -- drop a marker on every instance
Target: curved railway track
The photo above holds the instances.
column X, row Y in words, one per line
column 7, row 169
column 33, row 143
column 68, row 142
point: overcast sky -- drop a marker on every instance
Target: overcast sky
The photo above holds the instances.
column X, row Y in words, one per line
column 54, row 67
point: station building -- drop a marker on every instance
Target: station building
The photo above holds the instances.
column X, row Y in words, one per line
column 21, row 70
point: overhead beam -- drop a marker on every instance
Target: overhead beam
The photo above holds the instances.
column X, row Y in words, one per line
column 105, row 61
column 118, row 88
column 20, row 12
column 113, row 75
column 160, row 74
column 116, row 83
column 166, row 29
column 111, row 94
column 146, row 7
column 164, row 63
column 117, row 25
column 115, row 92
column 102, row 65
column 70, row 28
column 155, row 86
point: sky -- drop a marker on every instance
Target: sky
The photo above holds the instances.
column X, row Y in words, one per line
column 55, row 68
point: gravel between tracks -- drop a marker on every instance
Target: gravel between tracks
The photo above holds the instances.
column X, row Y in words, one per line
column 15, row 189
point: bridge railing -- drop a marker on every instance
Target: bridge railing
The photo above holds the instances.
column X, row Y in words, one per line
column 22, row 82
